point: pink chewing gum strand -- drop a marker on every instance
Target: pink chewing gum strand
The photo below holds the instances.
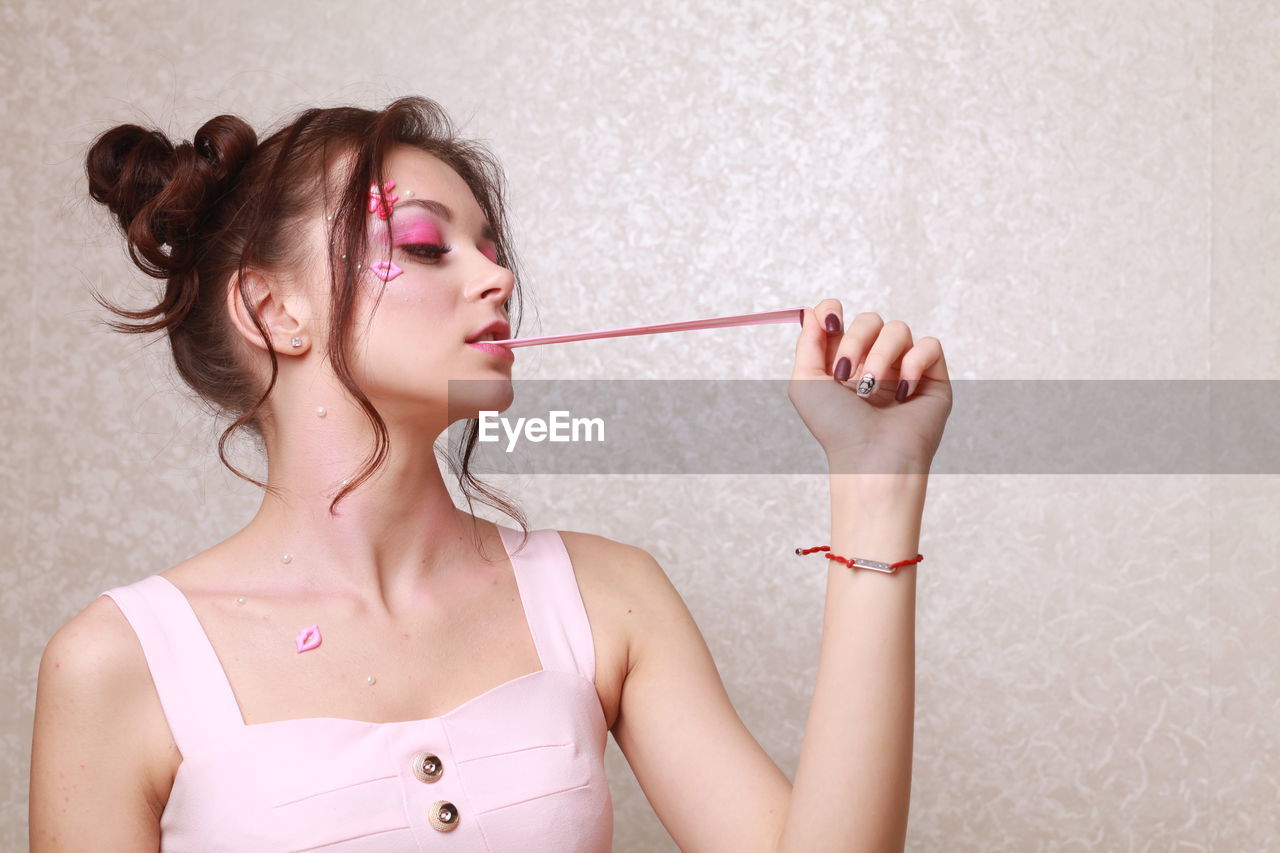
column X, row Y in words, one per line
column 789, row 315
column 385, row 270
column 307, row 639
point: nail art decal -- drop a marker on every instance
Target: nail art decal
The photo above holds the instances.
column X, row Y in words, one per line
column 307, row 639
column 866, row 385
column 379, row 202
column 385, row 270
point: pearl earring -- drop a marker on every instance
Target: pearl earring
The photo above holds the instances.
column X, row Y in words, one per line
column 297, row 342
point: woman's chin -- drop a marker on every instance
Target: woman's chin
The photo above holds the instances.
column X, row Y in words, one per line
column 469, row 399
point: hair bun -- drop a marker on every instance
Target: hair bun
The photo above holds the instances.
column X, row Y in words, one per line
column 161, row 193
column 226, row 143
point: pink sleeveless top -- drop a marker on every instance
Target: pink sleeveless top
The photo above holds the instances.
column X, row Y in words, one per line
column 517, row 768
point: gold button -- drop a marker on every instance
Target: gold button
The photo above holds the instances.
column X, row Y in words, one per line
column 443, row 815
column 427, row 767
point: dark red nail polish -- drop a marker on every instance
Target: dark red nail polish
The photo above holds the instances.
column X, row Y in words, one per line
column 902, row 391
column 843, row 368
column 833, row 322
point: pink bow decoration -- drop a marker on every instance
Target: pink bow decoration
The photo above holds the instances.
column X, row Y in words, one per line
column 379, row 203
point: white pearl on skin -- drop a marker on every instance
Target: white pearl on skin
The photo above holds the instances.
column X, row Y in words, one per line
column 409, row 193
column 346, row 482
column 240, row 600
column 372, row 680
column 287, row 558
column 320, row 412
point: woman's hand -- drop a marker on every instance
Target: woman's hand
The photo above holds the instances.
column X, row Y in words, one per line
column 873, row 434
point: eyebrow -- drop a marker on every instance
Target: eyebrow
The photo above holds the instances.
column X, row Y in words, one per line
column 442, row 210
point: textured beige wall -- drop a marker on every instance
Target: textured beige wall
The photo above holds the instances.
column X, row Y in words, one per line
column 1055, row 190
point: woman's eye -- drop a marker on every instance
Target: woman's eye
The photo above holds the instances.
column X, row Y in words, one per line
column 427, row 250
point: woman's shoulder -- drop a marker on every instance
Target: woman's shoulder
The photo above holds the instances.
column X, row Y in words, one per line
column 604, row 557
column 92, row 663
column 617, row 576
column 97, row 648
column 99, row 643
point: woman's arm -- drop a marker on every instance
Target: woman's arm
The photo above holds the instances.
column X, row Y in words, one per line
column 852, row 786
column 710, row 782
column 88, row 772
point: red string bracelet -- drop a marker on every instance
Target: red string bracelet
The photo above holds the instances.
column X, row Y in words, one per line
column 856, row 563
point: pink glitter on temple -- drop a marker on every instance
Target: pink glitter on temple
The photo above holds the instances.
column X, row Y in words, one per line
column 385, row 270
column 379, row 202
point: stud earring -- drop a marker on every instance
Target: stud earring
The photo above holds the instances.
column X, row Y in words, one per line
column 297, row 342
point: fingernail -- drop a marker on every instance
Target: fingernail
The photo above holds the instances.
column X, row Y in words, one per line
column 843, row 368
column 833, row 322
column 902, row 391
column 866, row 385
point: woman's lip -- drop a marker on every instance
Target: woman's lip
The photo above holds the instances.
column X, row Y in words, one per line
column 494, row 349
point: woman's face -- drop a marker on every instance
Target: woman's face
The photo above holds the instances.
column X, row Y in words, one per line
column 434, row 261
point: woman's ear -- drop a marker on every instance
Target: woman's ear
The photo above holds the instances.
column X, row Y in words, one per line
column 284, row 311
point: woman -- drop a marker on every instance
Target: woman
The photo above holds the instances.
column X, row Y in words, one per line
column 364, row 666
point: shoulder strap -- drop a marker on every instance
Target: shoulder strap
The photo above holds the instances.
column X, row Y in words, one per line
column 193, row 687
column 552, row 601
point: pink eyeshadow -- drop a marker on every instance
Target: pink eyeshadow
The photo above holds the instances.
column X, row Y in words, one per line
column 415, row 230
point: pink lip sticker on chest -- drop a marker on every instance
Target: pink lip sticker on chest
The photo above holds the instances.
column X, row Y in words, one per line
column 307, row 639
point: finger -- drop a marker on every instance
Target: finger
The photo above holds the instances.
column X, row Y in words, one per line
column 924, row 362
column 854, row 344
column 937, row 369
column 881, row 361
column 815, row 341
column 831, row 312
column 914, row 364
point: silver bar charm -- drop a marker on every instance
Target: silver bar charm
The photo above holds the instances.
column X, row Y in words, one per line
column 872, row 564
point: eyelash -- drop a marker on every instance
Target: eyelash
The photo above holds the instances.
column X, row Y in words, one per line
column 434, row 251
column 427, row 250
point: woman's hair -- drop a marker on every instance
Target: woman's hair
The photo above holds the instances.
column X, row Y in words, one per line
column 197, row 213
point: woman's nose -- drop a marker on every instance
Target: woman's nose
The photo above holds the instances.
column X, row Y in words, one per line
column 495, row 279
